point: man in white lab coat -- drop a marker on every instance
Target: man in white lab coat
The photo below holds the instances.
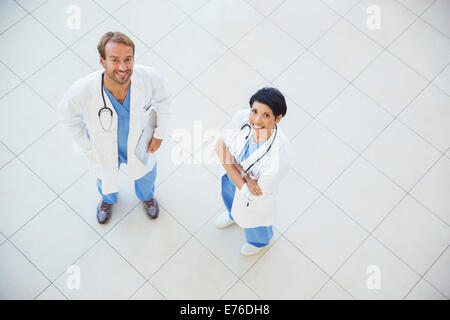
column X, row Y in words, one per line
column 106, row 113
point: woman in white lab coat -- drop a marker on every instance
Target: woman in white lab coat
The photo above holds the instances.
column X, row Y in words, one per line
column 254, row 153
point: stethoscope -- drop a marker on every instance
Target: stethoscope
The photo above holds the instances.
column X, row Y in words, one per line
column 105, row 114
column 244, row 172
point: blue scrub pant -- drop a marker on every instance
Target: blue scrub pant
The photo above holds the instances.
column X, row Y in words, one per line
column 258, row 237
column 144, row 188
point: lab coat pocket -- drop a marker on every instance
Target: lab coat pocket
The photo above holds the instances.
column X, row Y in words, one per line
column 262, row 204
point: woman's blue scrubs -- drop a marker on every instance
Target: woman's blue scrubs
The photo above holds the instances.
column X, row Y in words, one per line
column 145, row 186
column 260, row 236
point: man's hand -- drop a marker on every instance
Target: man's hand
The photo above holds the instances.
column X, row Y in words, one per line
column 253, row 186
column 154, row 145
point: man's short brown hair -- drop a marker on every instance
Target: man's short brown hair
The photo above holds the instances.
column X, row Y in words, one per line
column 117, row 37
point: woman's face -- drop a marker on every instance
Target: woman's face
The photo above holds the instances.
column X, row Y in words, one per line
column 262, row 120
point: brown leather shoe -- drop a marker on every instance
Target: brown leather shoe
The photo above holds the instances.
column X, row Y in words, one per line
column 152, row 208
column 104, row 211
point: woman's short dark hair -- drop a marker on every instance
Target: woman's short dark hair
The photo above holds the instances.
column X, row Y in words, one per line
column 271, row 97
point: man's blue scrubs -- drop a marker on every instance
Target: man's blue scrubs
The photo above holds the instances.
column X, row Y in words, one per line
column 145, row 186
column 260, row 236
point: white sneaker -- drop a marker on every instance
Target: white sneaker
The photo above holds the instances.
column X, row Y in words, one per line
column 249, row 250
column 223, row 220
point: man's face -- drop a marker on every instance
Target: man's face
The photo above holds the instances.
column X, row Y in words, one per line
column 118, row 63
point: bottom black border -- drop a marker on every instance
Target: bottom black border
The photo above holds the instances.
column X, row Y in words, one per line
column 225, row 309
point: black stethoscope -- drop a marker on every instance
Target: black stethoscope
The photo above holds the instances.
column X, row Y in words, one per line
column 105, row 114
column 243, row 173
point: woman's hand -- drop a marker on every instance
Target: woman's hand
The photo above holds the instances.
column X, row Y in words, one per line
column 253, row 186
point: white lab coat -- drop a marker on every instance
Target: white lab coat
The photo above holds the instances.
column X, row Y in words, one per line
column 78, row 112
column 257, row 211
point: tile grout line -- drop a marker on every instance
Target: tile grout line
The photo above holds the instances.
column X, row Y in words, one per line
column 408, row 194
column 31, row 262
column 392, row 120
column 331, row 280
column 146, row 279
column 74, row 263
column 283, row 234
column 55, row 193
column 417, row 14
column 351, row 82
column 259, row 23
column 370, row 233
column 57, row 123
column 136, row 291
column 225, row 265
column 101, row 236
column 199, row 241
column 14, row 156
column 40, row 211
column 170, row 258
column 204, row 4
column 237, row 276
column 27, row 13
column 307, row 49
column 233, row 285
column 193, row 236
column 298, row 218
column 360, row 153
column 47, row 131
column 351, row 218
column 425, row 273
column 373, row 230
column 423, row 19
column 228, row 49
column 317, row 266
column 271, row 11
column 69, row 47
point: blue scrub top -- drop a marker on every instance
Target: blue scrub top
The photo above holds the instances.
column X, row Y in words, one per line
column 123, row 113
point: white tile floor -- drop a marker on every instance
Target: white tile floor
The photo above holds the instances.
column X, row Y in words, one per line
column 364, row 212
